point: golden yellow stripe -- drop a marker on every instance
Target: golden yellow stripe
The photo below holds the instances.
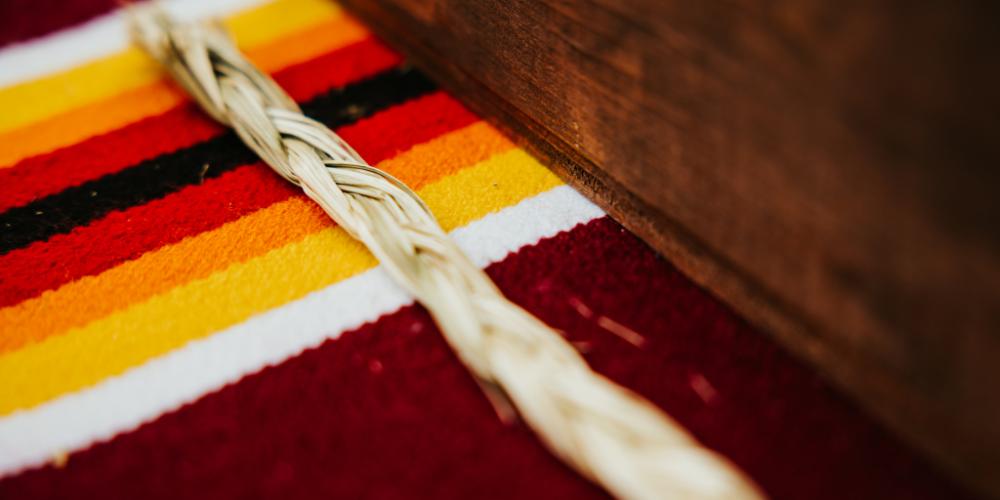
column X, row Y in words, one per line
column 37, row 100
column 87, row 355
column 109, row 114
column 93, row 297
column 309, row 43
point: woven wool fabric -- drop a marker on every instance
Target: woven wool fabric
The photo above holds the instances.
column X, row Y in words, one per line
column 179, row 321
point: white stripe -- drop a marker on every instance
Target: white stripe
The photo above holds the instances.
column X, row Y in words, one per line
column 118, row 404
column 97, row 38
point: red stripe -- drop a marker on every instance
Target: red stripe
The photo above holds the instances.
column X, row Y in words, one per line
column 185, row 125
column 387, row 411
column 125, row 235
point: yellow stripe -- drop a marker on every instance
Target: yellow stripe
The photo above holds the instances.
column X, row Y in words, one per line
column 113, row 344
column 104, row 115
column 37, row 100
column 89, row 298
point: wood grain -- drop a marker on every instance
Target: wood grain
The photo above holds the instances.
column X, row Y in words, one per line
column 827, row 168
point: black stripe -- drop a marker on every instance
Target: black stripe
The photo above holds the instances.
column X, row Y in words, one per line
column 165, row 174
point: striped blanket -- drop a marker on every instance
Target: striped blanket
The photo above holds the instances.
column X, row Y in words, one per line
column 177, row 321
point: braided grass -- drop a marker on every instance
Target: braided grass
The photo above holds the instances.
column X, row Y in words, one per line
column 604, row 431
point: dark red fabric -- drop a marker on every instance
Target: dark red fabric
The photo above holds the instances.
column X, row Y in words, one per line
column 17, row 26
column 34, row 177
column 387, row 411
column 127, row 234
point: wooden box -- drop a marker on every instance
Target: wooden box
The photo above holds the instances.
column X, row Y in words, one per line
column 829, row 169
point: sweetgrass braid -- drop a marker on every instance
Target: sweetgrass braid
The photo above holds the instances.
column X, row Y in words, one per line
column 604, row 431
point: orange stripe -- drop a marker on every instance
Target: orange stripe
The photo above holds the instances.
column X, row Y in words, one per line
column 85, row 300
column 110, row 114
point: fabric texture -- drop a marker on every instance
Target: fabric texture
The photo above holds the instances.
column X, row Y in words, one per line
column 178, row 321
column 15, row 26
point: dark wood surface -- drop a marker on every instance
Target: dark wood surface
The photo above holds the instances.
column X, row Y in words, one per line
column 827, row 168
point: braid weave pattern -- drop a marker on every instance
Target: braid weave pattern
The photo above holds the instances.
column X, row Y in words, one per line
column 604, row 431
